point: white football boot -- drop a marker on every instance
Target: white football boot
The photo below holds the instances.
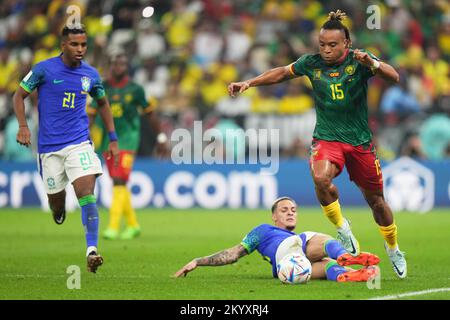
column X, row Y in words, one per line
column 398, row 261
column 347, row 239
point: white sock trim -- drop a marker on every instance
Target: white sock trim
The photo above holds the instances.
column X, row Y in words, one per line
column 90, row 249
column 345, row 226
column 389, row 250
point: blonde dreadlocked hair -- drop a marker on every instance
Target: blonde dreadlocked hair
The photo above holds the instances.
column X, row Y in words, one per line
column 334, row 22
column 338, row 15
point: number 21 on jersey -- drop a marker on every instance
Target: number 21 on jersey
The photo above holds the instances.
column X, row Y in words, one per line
column 336, row 91
column 69, row 100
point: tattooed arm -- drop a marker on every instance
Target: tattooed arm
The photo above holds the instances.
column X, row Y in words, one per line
column 221, row 258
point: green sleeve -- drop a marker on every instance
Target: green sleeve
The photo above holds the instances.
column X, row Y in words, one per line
column 33, row 79
column 299, row 67
column 97, row 91
column 140, row 98
column 252, row 240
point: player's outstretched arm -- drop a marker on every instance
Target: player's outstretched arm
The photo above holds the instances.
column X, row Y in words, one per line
column 271, row 76
column 385, row 70
column 23, row 134
column 221, row 258
column 107, row 118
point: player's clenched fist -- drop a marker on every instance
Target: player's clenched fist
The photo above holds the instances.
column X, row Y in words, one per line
column 113, row 151
column 363, row 57
column 24, row 136
column 237, row 87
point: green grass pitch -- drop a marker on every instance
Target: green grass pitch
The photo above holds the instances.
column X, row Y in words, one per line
column 35, row 254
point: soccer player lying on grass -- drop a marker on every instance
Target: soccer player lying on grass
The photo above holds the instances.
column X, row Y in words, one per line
column 327, row 256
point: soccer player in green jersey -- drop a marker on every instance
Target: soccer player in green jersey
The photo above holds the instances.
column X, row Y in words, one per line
column 127, row 101
column 342, row 136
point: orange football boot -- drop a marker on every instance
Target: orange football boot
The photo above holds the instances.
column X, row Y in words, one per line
column 361, row 275
column 364, row 259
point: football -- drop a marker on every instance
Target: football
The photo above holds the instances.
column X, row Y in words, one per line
column 294, row 268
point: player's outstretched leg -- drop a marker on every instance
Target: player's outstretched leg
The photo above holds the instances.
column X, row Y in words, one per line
column 323, row 172
column 336, row 251
column 364, row 259
column 335, row 272
column 384, row 218
column 57, row 203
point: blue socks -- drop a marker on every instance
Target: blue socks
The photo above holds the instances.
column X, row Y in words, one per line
column 334, row 270
column 89, row 218
column 334, row 249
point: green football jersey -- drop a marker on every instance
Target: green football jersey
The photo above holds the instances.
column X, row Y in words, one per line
column 126, row 103
column 340, row 97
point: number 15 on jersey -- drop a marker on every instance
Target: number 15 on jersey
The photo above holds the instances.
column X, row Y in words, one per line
column 336, row 91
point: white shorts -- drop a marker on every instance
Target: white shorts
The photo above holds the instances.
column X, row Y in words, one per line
column 59, row 168
column 294, row 244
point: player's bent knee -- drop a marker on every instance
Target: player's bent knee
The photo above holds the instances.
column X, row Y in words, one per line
column 314, row 248
column 322, row 181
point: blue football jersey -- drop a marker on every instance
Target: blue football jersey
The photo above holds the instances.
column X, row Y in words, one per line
column 62, row 94
column 265, row 239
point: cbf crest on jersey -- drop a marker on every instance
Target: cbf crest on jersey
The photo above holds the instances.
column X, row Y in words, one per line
column 86, row 84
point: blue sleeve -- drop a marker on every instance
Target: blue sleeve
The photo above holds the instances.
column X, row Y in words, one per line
column 33, row 79
column 252, row 240
column 97, row 90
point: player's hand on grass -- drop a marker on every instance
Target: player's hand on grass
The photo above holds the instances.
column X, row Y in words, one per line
column 237, row 87
column 186, row 269
column 113, row 151
column 24, row 136
column 363, row 58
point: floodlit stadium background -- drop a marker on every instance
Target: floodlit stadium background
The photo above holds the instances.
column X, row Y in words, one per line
column 184, row 53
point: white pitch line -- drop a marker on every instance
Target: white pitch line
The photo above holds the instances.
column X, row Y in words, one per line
column 65, row 276
column 409, row 294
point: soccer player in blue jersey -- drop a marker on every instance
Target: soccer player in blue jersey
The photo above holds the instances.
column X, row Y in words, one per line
column 65, row 151
column 327, row 256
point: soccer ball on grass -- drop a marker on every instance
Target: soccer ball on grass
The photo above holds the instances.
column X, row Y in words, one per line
column 294, row 268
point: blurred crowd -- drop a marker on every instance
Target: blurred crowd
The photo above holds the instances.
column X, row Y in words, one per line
column 184, row 53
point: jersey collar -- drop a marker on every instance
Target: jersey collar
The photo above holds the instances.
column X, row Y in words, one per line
column 342, row 58
column 62, row 61
column 119, row 84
